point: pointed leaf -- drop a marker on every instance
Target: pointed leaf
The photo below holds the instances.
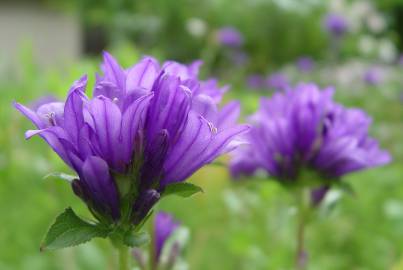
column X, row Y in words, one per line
column 182, row 189
column 70, row 230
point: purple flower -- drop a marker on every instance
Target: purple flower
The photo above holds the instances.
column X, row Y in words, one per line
column 335, row 24
column 372, row 76
column 164, row 227
column 305, row 64
column 238, row 57
column 302, row 133
column 229, row 36
column 256, row 81
column 277, row 81
column 145, row 128
column 400, row 60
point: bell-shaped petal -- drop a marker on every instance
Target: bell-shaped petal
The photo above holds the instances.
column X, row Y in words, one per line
column 198, row 145
column 169, row 107
column 132, row 122
column 113, row 72
column 107, row 119
column 142, row 75
column 98, row 184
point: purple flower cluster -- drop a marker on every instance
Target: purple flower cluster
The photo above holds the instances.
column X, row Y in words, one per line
column 373, row 76
column 336, row 24
column 305, row 64
column 277, row 81
column 229, row 36
column 146, row 127
column 164, row 226
column 301, row 132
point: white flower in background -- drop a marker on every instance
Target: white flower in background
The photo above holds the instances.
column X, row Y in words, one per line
column 376, row 23
column 360, row 9
column 337, row 6
column 358, row 12
column 387, row 51
column 367, row 45
column 297, row 6
column 196, row 27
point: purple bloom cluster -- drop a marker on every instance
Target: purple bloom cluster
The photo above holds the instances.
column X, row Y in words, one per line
column 277, row 81
column 146, row 127
column 256, row 81
column 305, row 64
column 301, row 132
column 229, row 36
column 372, row 76
column 164, row 226
column 336, row 24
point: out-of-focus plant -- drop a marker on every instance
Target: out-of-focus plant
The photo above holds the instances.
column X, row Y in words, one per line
column 166, row 249
column 308, row 143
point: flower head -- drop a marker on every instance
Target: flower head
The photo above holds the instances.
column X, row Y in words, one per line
column 164, row 227
column 335, row 24
column 372, row 76
column 145, row 128
column 229, row 36
column 277, row 81
column 304, row 132
column 169, row 238
column 255, row 81
column 305, row 64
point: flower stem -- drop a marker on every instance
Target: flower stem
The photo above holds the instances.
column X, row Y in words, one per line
column 124, row 260
column 302, row 211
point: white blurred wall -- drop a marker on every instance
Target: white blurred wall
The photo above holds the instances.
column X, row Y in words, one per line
column 55, row 37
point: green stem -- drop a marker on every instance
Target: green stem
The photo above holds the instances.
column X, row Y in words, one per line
column 124, row 259
column 302, row 212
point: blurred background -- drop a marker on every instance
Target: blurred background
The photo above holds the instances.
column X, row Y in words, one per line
column 257, row 47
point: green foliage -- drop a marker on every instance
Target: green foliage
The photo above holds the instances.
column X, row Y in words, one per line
column 69, row 230
column 134, row 239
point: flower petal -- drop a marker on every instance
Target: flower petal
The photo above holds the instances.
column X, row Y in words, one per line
column 107, row 125
column 114, row 73
column 142, row 75
column 100, row 186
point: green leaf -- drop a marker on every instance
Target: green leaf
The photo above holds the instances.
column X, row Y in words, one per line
column 136, row 239
column 182, row 189
column 64, row 176
column 346, row 187
column 70, row 230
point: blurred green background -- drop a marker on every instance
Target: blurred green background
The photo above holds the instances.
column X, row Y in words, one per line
column 46, row 45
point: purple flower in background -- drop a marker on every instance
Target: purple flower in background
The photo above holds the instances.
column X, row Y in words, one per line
column 277, row 81
column 164, row 252
column 336, row 24
column 256, row 81
column 302, row 133
column 238, row 57
column 373, row 76
column 164, row 227
column 305, row 64
column 400, row 60
column 229, row 36
column 145, row 128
